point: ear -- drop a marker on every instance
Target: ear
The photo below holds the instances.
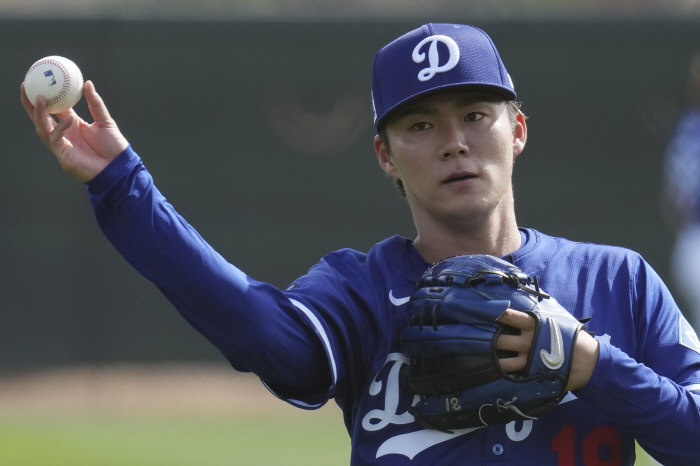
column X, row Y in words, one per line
column 384, row 158
column 519, row 135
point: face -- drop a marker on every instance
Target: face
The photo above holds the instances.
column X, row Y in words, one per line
column 454, row 154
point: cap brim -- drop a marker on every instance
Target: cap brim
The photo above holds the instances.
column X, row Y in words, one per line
column 502, row 91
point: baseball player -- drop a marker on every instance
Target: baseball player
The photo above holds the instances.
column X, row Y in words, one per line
column 448, row 133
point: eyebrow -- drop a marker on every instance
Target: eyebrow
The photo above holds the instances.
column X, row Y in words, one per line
column 421, row 108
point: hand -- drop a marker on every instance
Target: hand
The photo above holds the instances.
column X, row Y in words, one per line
column 82, row 149
column 585, row 354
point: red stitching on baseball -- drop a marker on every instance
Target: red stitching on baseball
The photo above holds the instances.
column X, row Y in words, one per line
column 66, row 79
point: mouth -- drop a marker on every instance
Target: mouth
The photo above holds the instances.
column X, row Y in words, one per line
column 455, row 177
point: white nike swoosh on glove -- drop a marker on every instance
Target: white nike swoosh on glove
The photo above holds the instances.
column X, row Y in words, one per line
column 555, row 357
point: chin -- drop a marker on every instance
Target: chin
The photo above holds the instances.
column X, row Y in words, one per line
column 466, row 215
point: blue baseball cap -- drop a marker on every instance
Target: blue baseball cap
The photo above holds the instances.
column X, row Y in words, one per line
column 436, row 57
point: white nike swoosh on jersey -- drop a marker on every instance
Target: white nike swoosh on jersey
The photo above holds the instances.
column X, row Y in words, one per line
column 555, row 358
column 398, row 301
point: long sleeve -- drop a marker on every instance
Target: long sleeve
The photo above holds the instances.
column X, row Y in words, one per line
column 254, row 325
column 661, row 415
column 653, row 395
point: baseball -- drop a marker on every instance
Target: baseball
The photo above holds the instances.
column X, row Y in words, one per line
column 58, row 79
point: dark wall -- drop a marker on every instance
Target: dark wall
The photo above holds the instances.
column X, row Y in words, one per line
column 260, row 134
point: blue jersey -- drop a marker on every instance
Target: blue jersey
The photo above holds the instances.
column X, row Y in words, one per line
column 334, row 334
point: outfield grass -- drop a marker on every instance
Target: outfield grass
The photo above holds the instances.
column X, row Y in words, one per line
column 113, row 441
column 122, row 441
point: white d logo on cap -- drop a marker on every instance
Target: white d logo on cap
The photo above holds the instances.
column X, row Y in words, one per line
column 434, row 57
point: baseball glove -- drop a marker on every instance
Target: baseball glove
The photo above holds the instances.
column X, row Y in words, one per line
column 451, row 344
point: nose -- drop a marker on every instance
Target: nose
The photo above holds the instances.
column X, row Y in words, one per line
column 459, row 152
column 454, row 142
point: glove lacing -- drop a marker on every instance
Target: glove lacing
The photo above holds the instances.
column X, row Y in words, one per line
column 503, row 404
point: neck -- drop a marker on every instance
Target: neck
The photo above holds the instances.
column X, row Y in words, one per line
column 497, row 236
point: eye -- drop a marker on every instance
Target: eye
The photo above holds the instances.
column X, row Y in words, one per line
column 474, row 116
column 421, row 126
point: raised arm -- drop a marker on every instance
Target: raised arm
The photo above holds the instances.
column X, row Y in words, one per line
column 252, row 323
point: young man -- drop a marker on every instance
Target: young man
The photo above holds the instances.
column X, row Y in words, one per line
column 449, row 134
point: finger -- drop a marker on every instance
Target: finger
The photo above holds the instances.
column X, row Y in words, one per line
column 513, row 364
column 97, row 107
column 60, row 130
column 519, row 343
column 517, row 319
column 43, row 121
column 68, row 113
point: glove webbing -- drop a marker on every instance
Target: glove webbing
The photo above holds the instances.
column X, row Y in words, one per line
column 515, row 280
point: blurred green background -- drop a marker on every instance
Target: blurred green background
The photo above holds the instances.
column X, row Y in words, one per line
column 256, row 441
